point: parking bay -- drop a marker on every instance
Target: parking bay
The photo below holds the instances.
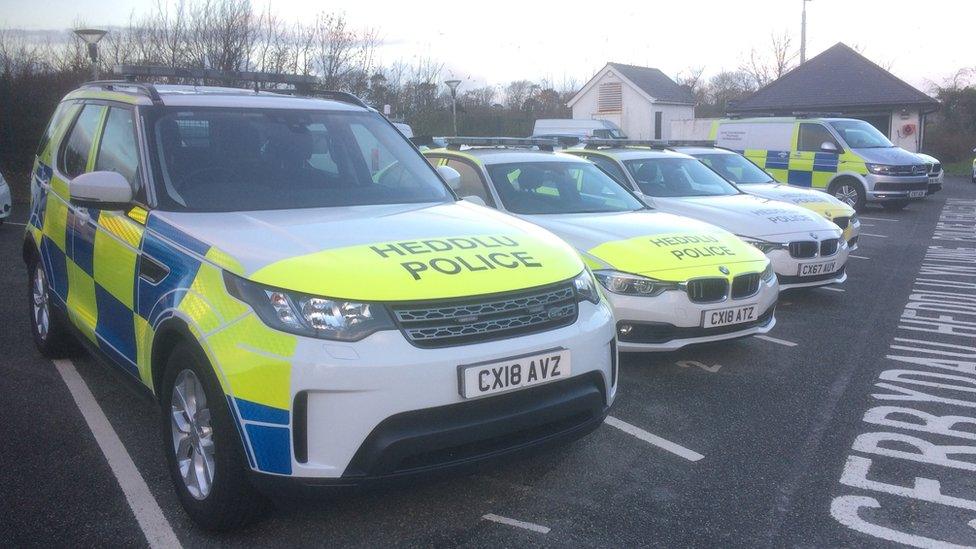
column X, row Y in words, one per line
column 772, row 419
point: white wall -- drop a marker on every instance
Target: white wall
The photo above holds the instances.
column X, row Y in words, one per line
column 636, row 119
column 696, row 129
column 898, row 137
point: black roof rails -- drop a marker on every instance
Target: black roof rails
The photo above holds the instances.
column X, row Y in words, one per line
column 303, row 84
column 662, row 144
column 117, row 85
column 455, row 143
column 815, row 114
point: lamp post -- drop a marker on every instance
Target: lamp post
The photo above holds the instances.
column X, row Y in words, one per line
column 803, row 34
column 91, row 37
column 453, row 84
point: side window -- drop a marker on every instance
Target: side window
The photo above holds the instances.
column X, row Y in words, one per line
column 74, row 156
column 117, row 150
column 471, row 183
column 610, row 167
column 812, row 136
column 52, row 125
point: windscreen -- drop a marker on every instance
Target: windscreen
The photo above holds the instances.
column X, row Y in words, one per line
column 241, row 160
column 559, row 188
column 677, row 177
column 735, row 168
column 858, row 134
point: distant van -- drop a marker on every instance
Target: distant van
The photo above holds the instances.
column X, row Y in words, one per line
column 847, row 158
column 570, row 127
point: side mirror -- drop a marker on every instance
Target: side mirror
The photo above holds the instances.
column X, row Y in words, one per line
column 100, row 190
column 474, row 199
column 828, row 147
column 450, row 176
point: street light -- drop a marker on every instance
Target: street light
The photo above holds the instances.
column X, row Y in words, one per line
column 91, row 37
column 453, row 84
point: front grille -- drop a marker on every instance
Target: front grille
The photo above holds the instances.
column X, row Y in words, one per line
column 842, row 222
column 745, row 285
column 910, row 169
column 659, row 332
column 887, row 186
column 445, row 323
column 804, row 248
column 829, row 246
column 707, row 290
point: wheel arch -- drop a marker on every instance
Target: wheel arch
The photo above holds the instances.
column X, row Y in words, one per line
column 846, row 176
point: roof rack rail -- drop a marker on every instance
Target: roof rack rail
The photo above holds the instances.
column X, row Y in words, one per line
column 816, row 114
column 596, row 143
column 455, row 143
column 116, row 85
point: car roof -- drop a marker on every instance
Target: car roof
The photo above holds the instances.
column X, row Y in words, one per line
column 211, row 96
column 507, row 155
column 703, row 150
column 789, row 119
column 636, row 153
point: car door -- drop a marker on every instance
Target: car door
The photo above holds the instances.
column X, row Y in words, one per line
column 117, row 236
column 472, row 182
column 810, row 166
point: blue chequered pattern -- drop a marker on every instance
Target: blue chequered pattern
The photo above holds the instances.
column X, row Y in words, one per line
column 778, row 160
column 272, row 447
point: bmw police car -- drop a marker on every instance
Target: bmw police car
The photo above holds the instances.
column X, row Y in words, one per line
column 805, row 249
column 672, row 281
column 307, row 299
column 752, row 179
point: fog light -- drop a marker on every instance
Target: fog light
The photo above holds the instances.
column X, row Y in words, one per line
column 624, row 329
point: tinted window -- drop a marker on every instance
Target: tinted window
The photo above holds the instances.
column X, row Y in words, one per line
column 471, row 183
column 117, row 151
column 666, row 177
column 239, row 160
column 861, row 135
column 608, row 166
column 812, row 136
column 735, row 168
column 559, row 187
column 74, row 157
column 56, row 119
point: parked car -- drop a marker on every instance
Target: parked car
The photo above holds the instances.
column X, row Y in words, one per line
column 672, row 281
column 936, row 173
column 847, row 158
column 304, row 295
column 5, row 200
column 805, row 249
column 564, row 128
column 753, row 180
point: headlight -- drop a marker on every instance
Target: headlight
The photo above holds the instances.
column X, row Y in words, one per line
column 629, row 284
column 765, row 246
column 586, row 289
column 768, row 274
column 309, row 315
column 880, row 169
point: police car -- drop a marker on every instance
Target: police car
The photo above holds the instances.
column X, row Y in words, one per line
column 307, row 299
column 5, row 207
column 936, row 173
column 753, row 180
column 805, row 249
column 672, row 281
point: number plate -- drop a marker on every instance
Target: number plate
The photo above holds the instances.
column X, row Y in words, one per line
column 728, row 316
column 916, row 194
column 814, row 269
column 514, row 373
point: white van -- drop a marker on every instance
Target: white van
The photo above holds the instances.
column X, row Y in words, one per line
column 570, row 127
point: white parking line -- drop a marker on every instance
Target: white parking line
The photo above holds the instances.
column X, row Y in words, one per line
column 832, row 289
column 875, row 235
column 859, row 257
column 517, row 523
column 154, row 525
column 775, row 340
column 878, row 219
column 868, row 225
column 650, row 438
column 15, row 223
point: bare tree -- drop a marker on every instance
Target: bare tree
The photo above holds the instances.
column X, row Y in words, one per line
column 777, row 61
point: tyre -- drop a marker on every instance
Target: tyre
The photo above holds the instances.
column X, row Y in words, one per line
column 49, row 330
column 894, row 205
column 850, row 192
column 203, row 447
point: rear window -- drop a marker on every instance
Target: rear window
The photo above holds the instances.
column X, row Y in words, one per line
column 677, row 177
column 220, row 159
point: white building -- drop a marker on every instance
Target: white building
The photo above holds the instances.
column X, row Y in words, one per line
column 641, row 100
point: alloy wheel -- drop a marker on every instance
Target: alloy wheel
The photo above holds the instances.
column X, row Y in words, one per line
column 39, row 303
column 192, row 434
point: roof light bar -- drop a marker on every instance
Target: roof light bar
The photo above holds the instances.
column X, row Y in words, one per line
column 133, row 71
column 513, row 142
column 596, row 143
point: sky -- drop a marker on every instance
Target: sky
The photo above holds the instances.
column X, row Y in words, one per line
column 499, row 41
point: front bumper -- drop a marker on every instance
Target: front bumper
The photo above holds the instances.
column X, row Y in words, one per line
column 671, row 321
column 347, row 396
column 882, row 188
column 788, row 269
column 935, row 182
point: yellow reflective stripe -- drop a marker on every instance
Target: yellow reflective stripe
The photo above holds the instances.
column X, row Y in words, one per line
column 255, row 361
column 121, row 227
column 96, row 139
column 81, row 300
column 144, row 337
column 105, row 95
column 114, row 267
column 222, row 259
column 56, row 220
column 676, row 257
column 433, row 268
column 138, row 214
